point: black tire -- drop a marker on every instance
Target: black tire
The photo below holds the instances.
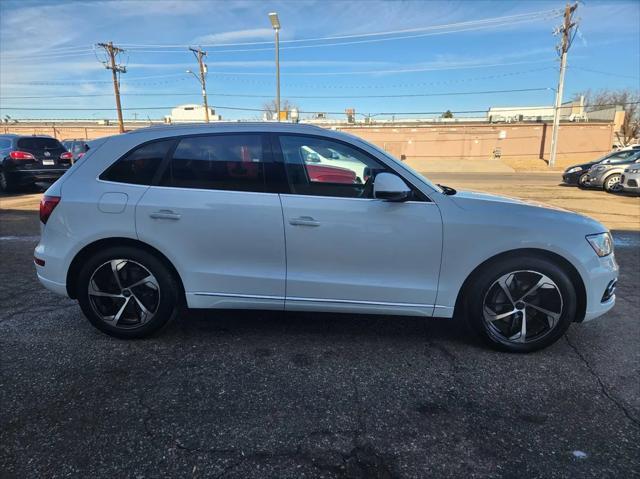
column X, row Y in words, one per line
column 168, row 300
column 6, row 185
column 478, row 289
column 611, row 188
column 581, row 180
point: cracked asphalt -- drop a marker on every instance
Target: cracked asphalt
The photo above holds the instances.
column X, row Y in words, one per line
column 267, row 394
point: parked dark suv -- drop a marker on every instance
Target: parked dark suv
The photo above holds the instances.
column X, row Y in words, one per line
column 27, row 159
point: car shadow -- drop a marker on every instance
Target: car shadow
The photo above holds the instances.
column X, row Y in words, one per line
column 199, row 323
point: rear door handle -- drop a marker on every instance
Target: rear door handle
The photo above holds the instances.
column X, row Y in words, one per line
column 164, row 215
column 304, row 221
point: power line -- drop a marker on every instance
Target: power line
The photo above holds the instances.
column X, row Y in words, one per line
column 332, row 86
column 221, row 107
column 611, row 74
column 401, row 95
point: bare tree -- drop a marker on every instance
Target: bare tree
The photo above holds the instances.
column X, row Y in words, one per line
column 627, row 99
column 285, row 105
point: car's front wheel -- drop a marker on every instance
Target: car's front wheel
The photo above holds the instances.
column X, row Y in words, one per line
column 582, row 180
column 127, row 292
column 521, row 304
column 612, row 183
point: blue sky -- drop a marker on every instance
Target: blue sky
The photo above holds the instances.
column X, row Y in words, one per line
column 46, row 50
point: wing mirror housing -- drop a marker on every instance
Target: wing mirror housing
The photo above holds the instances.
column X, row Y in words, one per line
column 390, row 187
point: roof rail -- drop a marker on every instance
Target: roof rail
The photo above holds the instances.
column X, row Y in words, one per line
column 213, row 125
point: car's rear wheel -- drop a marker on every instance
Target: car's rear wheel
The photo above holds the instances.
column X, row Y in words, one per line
column 5, row 182
column 127, row 292
column 521, row 304
column 612, row 183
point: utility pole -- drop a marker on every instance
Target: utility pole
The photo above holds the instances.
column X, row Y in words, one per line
column 199, row 54
column 563, row 48
column 112, row 52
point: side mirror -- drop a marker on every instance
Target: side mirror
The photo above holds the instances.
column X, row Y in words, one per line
column 390, row 187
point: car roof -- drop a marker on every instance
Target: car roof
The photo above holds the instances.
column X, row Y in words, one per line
column 13, row 135
column 259, row 126
column 183, row 129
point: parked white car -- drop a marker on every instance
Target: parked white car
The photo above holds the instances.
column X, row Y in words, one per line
column 630, row 179
column 228, row 216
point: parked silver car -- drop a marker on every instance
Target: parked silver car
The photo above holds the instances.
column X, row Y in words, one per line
column 607, row 173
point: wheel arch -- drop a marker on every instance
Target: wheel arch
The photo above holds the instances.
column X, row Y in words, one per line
column 569, row 268
column 88, row 250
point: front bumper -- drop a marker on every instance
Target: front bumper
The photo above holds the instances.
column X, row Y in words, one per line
column 572, row 178
column 599, row 281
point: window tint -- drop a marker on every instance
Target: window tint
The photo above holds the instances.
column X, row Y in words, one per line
column 4, row 144
column 220, row 162
column 321, row 167
column 140, row 165
column 36, row 143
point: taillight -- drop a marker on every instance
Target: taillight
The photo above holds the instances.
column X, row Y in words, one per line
column 47, row 205
column 21, row 155
column 67, row 155
column 80, row 155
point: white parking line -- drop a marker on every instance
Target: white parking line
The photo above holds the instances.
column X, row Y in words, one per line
column 19, row 238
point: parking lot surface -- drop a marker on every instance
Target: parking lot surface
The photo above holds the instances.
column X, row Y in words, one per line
column 257, row 394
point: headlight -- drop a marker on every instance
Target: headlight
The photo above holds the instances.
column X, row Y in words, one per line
column 633, row 170
column 574, row 169
column 602, row 243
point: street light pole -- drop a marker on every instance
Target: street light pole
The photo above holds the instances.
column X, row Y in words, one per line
column 275, row 22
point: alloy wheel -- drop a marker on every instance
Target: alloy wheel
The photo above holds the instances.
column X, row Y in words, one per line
column 123, row 293
column 522, row 306
column 613, row 183
column 3, row 181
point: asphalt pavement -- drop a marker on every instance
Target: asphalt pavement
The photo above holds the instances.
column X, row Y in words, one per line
column 267, row 394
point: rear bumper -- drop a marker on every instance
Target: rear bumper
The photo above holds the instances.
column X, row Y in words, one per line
column 58, row 288
column 26, row 177
column 630, row 184
column 593, row 182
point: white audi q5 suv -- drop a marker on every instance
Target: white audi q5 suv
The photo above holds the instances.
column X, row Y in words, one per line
column 243, row 215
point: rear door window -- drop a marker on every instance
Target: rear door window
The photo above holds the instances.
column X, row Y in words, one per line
column 231, row 162
column 139, row 166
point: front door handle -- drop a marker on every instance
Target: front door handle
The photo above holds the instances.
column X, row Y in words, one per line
column 304, row 221
column 164, row 215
